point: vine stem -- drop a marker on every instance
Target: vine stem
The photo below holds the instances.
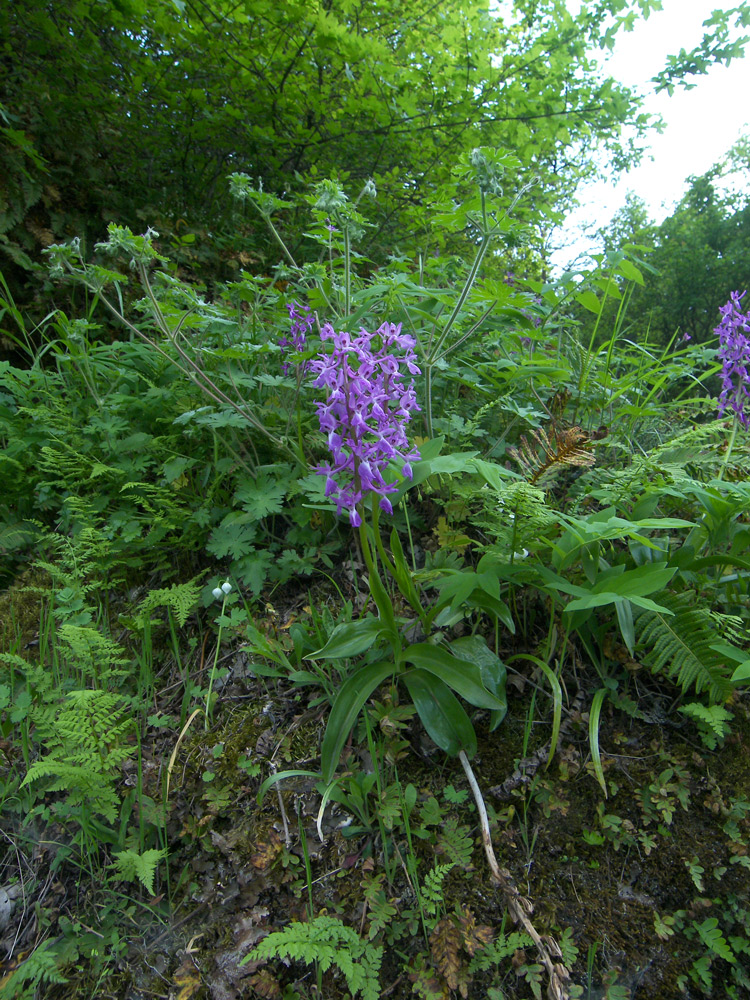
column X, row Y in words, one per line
column 519, row 907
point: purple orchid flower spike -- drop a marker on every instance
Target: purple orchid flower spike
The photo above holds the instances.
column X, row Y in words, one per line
column 734, row 353
column 365, row 413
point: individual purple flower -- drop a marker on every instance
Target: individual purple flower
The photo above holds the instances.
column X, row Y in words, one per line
column 365, row 413
column 734, row 353
column 302, row 323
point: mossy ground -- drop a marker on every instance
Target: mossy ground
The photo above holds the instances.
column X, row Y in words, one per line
column 626, row 882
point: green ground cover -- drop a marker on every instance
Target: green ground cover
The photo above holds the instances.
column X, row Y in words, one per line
column 370, row 631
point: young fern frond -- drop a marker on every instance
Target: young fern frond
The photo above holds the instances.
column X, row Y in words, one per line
column 327, row 941
column 182, row 598
column 679, row 645
column 700, row 449
column 131, row 866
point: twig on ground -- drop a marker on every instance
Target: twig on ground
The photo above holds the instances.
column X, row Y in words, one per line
column 519, row 907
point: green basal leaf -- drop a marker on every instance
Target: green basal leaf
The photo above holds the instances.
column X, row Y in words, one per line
column 349, row 639
column 352, row 696
column 596, row 758
column 440, row 712
column 465, row 678
column 474, row 649
column 493, row 605
column 383, row 603
column 627, row 627
column 402, row 574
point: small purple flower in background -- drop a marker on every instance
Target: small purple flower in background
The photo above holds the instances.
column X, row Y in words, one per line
column 365, row 413
column 734, row 352
column 302, row 323
column 686, row 336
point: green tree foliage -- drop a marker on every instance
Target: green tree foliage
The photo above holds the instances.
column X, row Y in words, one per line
column 716, row 46
column 138, row 111
column 700, row 253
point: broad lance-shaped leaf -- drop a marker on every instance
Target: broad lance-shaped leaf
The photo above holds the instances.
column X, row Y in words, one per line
column 465, row 678
column 349, row 639
column 354, row 692
column 475, row 650
column 441, row 714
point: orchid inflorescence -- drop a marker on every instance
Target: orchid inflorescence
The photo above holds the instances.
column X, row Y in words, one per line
column 302, row 323
column 734, row 353
column 365, row 413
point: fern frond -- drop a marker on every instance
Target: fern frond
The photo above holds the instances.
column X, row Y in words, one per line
column 180, row 597
column 327, row 941
column 701, row 447
column 569, row 446
column 713, row 721
column 131, row 866
column 679, row 645
column 432, row 889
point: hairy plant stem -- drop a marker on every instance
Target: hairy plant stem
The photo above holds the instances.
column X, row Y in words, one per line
column 189, row 368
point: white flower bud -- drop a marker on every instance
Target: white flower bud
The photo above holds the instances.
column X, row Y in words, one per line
column 217, row 593
column 226, row 587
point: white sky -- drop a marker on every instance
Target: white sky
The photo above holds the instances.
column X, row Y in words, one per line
column 702, row 123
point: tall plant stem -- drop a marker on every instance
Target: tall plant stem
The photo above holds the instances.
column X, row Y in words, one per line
column 435, row 351
column 728, row 452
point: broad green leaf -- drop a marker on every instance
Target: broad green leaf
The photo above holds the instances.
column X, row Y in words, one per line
column 742, row 673
column 455, row 589
column 590, row 301
column 349, row 639
column 627, row 627
column 385, row 609
column 600, row 600
column 465, row 678
column 636, row 582
column 630, row 271
column 440, row 712
column 402, row 573
column 474, row 649
column 353, row 694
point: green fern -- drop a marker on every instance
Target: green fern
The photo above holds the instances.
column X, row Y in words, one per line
column 327, row 941
column 516, row 515
column 85, row 739
column 643, row 475
column 432, row 888
column 131, row 866
column 42, row 966
column 455, row 841
column 94, row 656
column 680, row 645
column 700, row 448
column 180, row 597
column 713, row 722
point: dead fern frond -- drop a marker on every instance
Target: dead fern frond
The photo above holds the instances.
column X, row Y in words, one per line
column 549, row 453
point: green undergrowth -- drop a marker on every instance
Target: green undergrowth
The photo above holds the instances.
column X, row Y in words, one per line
column 238, row 734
